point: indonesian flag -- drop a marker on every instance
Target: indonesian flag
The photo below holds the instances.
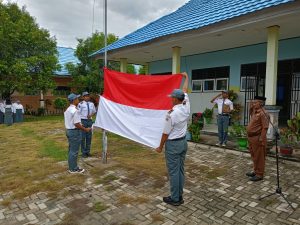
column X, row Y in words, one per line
column 134, row 106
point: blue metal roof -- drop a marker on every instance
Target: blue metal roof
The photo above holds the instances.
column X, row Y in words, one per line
column 193, row 15
column 65, row 55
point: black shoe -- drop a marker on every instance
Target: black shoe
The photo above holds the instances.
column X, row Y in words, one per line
column 78, row 170
column 84, row 156
column 250, row 174
column 169, row 201
column 181, row 200
column 255, row 178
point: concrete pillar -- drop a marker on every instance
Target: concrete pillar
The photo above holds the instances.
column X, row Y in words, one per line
column 272, row 61
column 176, row 60
column 123, row 65
column 271, row 79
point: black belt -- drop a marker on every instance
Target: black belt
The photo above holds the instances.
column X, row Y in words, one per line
column 86, row 119
column 177, row 139
column 74, row 129
column 223, row 114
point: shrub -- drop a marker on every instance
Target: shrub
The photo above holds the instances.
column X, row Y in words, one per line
column 41, row 111
column 208, row 113
column 196, row 126
column 60, row 103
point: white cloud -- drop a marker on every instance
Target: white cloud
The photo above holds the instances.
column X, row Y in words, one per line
column 71, row 19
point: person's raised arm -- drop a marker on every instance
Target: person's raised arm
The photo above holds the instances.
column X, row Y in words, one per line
column 186, row 82
column 212, row 101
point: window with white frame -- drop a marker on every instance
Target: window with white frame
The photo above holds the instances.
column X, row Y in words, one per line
column 221, row 84
column 210, row 79
column 208, row 85
column 197, row 85
column 248, row 83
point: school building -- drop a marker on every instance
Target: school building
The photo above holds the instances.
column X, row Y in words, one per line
column 250, row 46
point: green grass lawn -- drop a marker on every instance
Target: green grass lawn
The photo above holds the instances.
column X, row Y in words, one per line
column 32, row 151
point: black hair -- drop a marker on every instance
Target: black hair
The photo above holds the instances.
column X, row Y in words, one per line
column 8, row 102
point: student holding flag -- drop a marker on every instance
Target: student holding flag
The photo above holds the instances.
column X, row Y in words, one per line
column 176, row 145
column 73, row 131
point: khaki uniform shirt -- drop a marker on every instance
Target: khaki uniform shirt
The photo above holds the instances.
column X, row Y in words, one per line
column 259, row 120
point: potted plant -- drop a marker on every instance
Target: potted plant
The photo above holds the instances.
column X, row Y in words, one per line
column 208, row 115
column 290, row 136
column 196, row 126
column 286, row 142
column 239, row 132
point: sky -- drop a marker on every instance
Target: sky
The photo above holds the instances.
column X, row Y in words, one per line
column 71, row 19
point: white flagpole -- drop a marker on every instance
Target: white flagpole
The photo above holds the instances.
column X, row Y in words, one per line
column 104, row 136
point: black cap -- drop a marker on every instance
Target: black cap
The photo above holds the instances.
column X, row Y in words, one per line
column 262, row 98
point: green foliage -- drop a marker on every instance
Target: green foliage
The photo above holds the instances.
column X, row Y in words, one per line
column 142, row 70
column 290, row 136
column 41, row 111
column 60, row 103
column 131, row 69
column 88, row 74
column 196, row 126
column 237, row 131
column 208, row 113
column 237, row 108
column 99, row 207
column 28, row 55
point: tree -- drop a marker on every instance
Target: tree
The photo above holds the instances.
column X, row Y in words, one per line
column 142, row 70
column 88, row 74
column 28, row 55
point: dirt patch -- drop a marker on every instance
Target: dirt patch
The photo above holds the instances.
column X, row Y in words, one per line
column 79, row 210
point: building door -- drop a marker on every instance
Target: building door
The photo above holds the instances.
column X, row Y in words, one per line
column 252, row 84
column 295, row 94
column 288, row 89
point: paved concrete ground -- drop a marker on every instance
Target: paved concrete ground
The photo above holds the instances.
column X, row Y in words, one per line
column 217, row 192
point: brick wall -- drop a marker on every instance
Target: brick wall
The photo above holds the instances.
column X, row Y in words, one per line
column 33, row 101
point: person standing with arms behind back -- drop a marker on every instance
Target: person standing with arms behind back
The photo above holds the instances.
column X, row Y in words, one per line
column 225, row 106
column 176, row 145
column 74, row 128
column 18, row 111
column 257, row 137
column 87, row 110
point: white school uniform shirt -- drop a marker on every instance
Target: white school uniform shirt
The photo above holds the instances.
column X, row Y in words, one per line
column 13, row 107
column 83, row 109
column 72, row 117
column 219, row 102
column 177, row 119
column 2, row 107
column 17, row 106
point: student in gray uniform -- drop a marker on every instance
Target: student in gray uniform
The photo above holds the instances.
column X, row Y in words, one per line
column 2, row 111
column 18, row 111
column 8, row 115
column 87, row 110
column 73, row 130
column 176, row 145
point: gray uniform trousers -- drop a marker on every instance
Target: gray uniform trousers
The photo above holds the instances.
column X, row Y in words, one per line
column 86, row 137
column 223, row 123
column 74, row 139
column 175, row 153
column 18, row 116
column 8, row 116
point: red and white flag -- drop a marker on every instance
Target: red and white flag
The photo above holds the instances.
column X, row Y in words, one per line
column 134, row 106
